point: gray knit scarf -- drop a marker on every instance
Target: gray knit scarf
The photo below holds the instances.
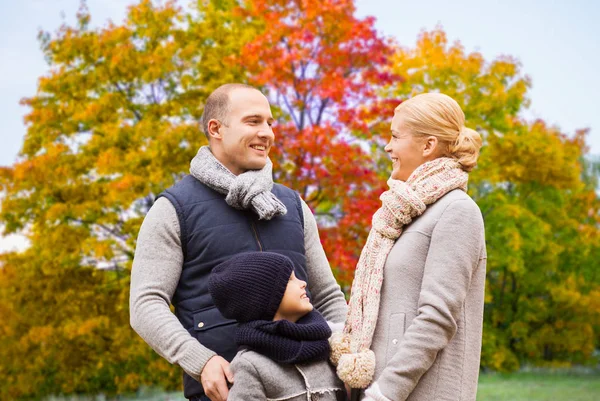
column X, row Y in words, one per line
column 249, row 190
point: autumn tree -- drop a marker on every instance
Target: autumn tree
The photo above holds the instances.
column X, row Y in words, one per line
column 113, row 123
column 319, row 63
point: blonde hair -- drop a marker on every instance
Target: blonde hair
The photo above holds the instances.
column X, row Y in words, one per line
column 436, row 114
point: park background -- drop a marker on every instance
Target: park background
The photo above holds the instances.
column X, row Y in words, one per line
column 109, row 118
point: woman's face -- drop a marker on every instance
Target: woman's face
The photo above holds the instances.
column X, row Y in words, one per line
column 406, row 151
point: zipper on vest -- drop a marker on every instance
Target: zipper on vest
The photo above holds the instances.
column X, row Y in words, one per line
column 256, row 236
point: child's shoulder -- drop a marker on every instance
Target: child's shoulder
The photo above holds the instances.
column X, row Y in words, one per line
column 246, row 357
column 259, row 365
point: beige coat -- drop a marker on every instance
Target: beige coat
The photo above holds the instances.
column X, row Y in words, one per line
column 427, row 342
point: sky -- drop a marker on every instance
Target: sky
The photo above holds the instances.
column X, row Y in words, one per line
column 557, row 43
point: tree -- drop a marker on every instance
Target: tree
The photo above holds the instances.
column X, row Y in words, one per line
column 320, row 63
column 65, row 328
column 114, row 122
column 542, row 223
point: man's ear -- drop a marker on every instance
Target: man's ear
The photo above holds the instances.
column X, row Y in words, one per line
column 430, row 146
column 213, row 129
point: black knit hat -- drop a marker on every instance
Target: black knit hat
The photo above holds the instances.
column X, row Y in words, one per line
column 250, row 286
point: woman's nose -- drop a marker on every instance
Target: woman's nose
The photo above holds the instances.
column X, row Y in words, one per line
column 387, row 148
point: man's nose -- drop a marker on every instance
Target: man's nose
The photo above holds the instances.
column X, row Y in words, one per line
column 266, row 132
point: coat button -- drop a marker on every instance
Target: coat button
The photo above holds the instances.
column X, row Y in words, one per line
column 201, row 324
column 394, row 341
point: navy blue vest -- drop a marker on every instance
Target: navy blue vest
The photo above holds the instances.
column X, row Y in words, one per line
column 211, row 232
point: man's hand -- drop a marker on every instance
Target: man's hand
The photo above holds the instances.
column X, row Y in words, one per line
column 214, row 378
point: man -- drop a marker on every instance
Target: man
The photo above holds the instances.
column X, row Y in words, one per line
column 227, row 205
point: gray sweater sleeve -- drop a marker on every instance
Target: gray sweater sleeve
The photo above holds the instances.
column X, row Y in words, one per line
column 327, row 296
column 155, row 273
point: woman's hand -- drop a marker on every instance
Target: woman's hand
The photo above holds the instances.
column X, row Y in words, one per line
column 373, row 393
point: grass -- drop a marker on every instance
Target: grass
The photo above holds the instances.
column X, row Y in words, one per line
column 522, row 386
column 145, row 394
column 539, row 386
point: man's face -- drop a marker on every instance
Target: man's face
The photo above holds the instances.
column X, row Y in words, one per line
column 246, row 135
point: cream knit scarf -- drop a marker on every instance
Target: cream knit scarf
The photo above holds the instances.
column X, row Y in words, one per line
column 400, row 205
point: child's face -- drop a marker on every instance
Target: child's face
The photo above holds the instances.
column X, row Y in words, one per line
column 295, row 302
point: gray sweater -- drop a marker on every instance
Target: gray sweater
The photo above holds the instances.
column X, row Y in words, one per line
column 155, row 274
column 258, row 378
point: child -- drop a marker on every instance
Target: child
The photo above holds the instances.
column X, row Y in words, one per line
column 283, row 343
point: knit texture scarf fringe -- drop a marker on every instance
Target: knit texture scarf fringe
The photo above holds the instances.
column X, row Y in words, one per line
column 400, row 205
column 249, row 190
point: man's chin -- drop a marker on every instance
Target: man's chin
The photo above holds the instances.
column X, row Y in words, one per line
column 257, row 165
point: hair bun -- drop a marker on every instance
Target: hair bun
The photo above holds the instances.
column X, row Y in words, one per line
column 466, row 148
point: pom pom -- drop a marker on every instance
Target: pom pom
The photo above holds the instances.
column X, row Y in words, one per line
column 357, row 370
column 340, row 345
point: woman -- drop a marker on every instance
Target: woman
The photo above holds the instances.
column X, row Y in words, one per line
column 414, row 325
